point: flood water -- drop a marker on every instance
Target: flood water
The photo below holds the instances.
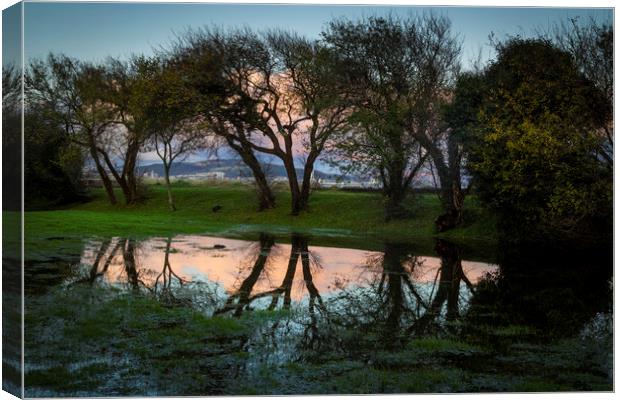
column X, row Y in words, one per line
column 200, row 315
column 268, row 275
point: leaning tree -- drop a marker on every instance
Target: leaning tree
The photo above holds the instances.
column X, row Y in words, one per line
column 204, row 63
column 69, row 92
column 98, row 107
column 281, row 98
column 127, row 135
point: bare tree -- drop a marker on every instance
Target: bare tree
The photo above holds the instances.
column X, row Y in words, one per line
column 176, row 143
column 281, row 100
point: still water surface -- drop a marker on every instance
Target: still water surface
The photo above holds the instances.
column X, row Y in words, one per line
column 262, row 269
column 201, row 315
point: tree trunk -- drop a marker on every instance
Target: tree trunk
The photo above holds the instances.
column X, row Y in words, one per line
column 120, row 179
column 452, row 203
column 168, row 188
column 266, row 198
column 394, row 205
column 393, row 176
column 306, row 182
column 105, row 180
column 127, row 192
column 129, row 172
column 296, row 199
column 395, row 192
column 449, row 172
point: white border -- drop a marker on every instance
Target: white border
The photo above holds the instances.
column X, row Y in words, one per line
column 454, row 3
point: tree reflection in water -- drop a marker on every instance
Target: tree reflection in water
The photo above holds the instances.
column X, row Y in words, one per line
column 394, row 298
column 447, row 290
column 396, row 302
column 242, row 298
column 131, row 274
column 98, row 270
column 389, row 305
column 163, row 287
column 394, row 312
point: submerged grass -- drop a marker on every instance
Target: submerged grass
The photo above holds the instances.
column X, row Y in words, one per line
column 85, row 341
column 89, row 341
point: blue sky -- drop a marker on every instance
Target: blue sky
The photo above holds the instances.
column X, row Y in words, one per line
column 95, row 30
column 11, row 35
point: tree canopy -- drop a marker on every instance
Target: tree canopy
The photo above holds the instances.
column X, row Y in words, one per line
column 381, row 96
column 534, row 150
column 400, row 73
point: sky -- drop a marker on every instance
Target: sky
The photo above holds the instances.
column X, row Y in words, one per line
column 92, row 31
column 11, row 35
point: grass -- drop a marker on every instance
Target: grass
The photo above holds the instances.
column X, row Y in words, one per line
column 437, row 345
column 128, row 344
column 85, row 341
column 80, row 340
column 334, row 213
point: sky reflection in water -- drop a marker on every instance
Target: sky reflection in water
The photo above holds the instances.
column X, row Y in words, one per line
column 259, row 268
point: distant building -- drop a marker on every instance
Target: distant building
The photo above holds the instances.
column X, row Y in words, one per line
column 150, row 174
column 215, row 176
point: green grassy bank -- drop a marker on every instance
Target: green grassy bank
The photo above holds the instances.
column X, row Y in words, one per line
column 331, row 213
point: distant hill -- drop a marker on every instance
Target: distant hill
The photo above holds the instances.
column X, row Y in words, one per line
column 231, row 168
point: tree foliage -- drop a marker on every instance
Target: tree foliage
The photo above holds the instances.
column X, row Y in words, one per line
column 206, row 61
column 173, row 130
column 534, row 151
column 52, row 167
column 399, row 72
column 591, row 46
column 11, row 137
column 67, row 92
column 280, row 97
column 384, row 95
